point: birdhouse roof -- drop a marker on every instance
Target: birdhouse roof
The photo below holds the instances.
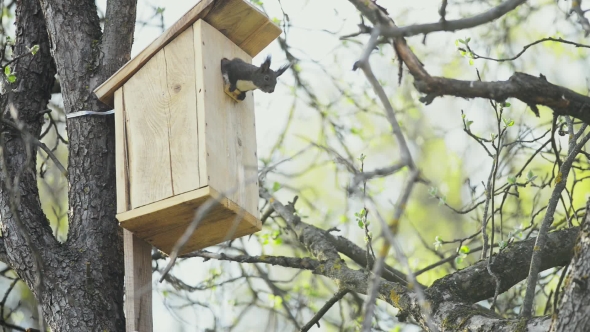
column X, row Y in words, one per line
column 238, row 20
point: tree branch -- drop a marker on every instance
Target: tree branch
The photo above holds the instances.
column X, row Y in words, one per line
column 448, row 295
column 577, row 8
column 529, row 89
column 444, row 25
column 560, row 183
column 117, row 38
column 474, row 284
column 316, row 318
column 292, row 262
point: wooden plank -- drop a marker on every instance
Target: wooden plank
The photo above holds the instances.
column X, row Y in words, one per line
column 236, row 19
column 105, row 91
column 210, row 233
column 183, row 138
column 138, row 283
column 147, row 115
column 260, row 38
column 229, row 136
column 170, row 217
column 202, row 87
column 121, row 154
column 170, row 212
column 240, row 21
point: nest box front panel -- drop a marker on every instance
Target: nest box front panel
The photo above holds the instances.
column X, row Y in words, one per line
column 160, row 108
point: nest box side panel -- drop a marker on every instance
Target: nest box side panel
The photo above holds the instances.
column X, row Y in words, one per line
column 228, row 138
column 121, row 154
column 146, row 110
column 182, row 91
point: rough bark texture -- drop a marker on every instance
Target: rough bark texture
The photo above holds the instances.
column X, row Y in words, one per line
column 573, row 310
column 529, row 89
column 81, row 286
column 475, row 284
column 27, row 238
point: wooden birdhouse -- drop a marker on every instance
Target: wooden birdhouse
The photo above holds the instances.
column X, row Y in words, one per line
column 180, row 140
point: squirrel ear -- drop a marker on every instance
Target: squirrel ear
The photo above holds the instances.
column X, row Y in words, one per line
column 283, row 69
column 266, row 64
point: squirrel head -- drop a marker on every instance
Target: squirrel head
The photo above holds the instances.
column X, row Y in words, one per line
column 265, row 78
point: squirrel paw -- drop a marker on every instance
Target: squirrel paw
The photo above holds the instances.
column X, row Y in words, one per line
column 236, row 95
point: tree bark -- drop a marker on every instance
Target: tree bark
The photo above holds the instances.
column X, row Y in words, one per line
column 573, row 310
column 79, row 284
column 27, row 238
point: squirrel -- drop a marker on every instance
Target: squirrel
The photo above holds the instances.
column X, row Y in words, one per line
column 240, row 76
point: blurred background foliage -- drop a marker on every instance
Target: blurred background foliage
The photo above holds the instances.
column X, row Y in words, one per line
column 323, row 120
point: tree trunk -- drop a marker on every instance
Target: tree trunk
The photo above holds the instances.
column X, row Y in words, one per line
column 79, row 284
column 573, row 310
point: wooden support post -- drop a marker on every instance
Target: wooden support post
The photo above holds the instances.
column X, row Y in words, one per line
column 138, row 283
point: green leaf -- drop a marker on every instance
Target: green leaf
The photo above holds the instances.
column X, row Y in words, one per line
column 7, row 70
column 508, row 122
column 437, row 243
column 530, row 176
column 11, row 78
column 468, row 123
column 506, row 105
column 464, row 249
column 471, row 62
column 360, row 223
column 433, row 191
column 276, row 186
column 503, row 244
column 511, row 179
column 34, row 49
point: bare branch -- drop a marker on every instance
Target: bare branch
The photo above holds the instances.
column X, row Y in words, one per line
column 560, row 183
column 526, row 47
column 392, row 31
column 316, row 318
column 292, row 262
column 582, row 19
column 529, row 89
column 474, row 284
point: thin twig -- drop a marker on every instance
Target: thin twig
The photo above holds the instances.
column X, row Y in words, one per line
column 38, row 143
column 316, row 318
